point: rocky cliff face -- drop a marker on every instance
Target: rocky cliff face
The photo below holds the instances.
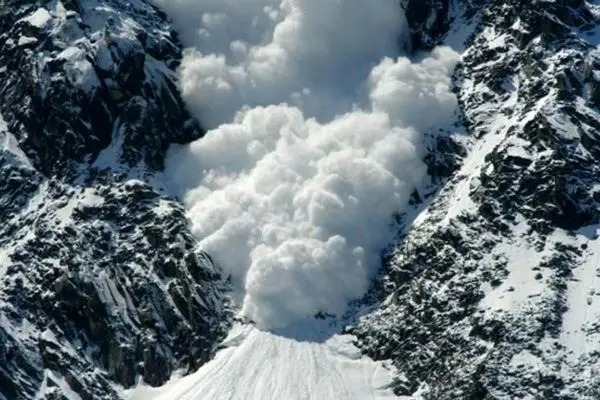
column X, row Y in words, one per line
column 101, row 281
column 492, row 293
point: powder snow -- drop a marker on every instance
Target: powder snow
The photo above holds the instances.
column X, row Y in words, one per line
column 315, row 143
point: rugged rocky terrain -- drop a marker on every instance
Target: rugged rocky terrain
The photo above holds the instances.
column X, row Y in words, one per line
column 491, row 291
column 100, row 277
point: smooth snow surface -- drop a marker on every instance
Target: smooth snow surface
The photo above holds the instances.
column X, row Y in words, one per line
column 317, row 125
column 580, row 335
column 39, row 18
column 266, row 366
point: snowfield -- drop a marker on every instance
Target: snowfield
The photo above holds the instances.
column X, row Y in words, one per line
column 302, row 363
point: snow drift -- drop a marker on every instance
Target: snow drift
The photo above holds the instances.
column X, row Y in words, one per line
column 255, row 364
column 315, row 143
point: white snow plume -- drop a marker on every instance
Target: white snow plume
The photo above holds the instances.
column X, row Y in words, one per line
column 315, row 143
column 308, row 53
column 416, row 95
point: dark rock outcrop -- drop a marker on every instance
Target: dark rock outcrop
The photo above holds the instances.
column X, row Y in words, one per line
column 76, row 77
column 101, row 279
column 481, row 296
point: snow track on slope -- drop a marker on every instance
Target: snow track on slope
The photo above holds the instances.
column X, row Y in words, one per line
column 302, row 365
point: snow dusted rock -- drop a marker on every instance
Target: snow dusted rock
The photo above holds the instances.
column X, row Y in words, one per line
column 491, row 293
column 75, row 74
column 101, row 281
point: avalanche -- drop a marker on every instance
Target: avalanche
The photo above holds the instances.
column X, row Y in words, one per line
column 315, row 144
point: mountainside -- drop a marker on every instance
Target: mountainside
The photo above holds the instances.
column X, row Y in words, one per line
column 490, row 290
column 100, row 277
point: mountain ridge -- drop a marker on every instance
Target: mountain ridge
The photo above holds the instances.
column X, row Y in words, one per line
column 101, row 277
column 519, row 213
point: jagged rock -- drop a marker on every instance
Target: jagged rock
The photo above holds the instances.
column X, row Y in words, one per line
column 101, row 280
column 117, row 78
column 479, row 293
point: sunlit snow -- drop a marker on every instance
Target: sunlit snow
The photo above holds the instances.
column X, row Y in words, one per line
column 262, row 365
column 315, row 143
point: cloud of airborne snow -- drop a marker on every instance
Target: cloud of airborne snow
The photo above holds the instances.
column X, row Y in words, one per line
column 315, row 143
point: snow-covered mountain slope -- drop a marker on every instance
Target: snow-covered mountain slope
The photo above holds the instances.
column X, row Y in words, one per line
column 490, row 290
column 303, row 362
column 490, row 294
column 100, row 278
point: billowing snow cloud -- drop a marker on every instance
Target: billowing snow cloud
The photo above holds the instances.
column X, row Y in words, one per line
column 308, row 53
column 315, row 143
